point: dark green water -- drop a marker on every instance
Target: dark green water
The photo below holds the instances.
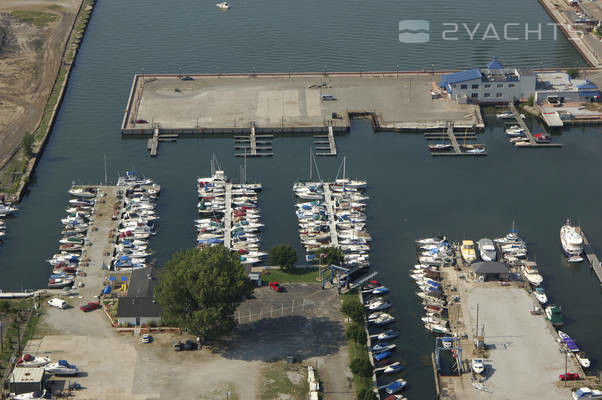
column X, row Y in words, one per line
column 412, row 194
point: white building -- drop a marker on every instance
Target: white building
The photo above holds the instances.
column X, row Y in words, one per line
column 494, row 84
column 559, row 87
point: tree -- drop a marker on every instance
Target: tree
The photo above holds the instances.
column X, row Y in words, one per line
column 331, row 256
column 284, row 256
column 573, row 73
column 26, row 145
column 353, row 309
column 356, row 333
column 199, row 290
column 366, row 394
column 361, row 366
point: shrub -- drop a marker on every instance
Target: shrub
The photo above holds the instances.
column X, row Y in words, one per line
column 361, row 367
column 357, row 333
column 366, row 394
column 284, row 256
column 573, row 73
column 353, row 309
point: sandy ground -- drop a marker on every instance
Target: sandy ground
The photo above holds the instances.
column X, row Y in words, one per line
column 30, row 57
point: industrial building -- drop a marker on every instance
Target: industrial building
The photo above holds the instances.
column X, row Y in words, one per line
column 559, row 87
column 490, row 270
column 494, row 84
column 139, row 305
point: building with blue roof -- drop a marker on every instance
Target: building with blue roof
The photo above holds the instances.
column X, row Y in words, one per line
column 493, row 84
column 559, row 87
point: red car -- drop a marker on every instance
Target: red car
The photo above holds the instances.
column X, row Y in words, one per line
column 570, row 376
column 90, row 306
column 276, row 286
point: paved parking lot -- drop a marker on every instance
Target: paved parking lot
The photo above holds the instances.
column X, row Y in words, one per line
column 119, row 366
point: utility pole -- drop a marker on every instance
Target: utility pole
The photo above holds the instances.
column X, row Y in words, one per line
column 1, row 341
column 566, row 364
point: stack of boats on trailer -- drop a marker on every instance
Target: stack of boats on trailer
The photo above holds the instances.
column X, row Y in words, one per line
column 244, row 216
column 433, row 253
column 6, row 209
column 137, row 220
column 65, row 264
column 349, row 207
column 381, row 349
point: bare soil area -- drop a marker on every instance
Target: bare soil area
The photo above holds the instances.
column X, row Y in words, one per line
column 32, row 38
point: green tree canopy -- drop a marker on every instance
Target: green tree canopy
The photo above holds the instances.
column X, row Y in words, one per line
column 573, row 72
column 357, row 333
column 353, row 309
column 361, row 366
column 330, row 256
column 199, row 290
column 284, row 256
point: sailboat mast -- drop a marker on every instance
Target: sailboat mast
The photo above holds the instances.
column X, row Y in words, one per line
column 311, row 167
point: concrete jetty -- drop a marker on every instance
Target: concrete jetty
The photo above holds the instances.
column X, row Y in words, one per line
column 290, row 104
column 457, row 149
column 591, row 256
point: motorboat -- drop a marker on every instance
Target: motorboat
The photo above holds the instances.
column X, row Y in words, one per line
column 542, row 138
column 569, row 342
column 382, row 319
column 531, row 273
column 505, row 115
column 380, row 290
column 30, row 361
column 571, row 240
column 468, row 251
column 437, row 328
column 394, row 386
column 86, row 192
column 33, row 395
column 554, row 315
column 540, row 295
column 378, row 304
column 380, row 347
column 386, row 335
column 381, row 356
column 59, row 283
column 224, row 5
column 434, row 320
column 7, row 209
column 583, row 359
column 586, row 393
column 574, row 259
column 476, row 150
column 392, row 368
column 487, row 250
column 477, row 365
column 440, row 147
column 62, row 367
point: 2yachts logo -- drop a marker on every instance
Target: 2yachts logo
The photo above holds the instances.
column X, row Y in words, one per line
column 418, row 31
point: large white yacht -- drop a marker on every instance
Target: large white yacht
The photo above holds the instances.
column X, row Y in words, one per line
column 571, row 240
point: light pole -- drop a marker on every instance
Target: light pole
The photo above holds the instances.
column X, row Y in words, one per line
column 397, row 71
column 360, row 70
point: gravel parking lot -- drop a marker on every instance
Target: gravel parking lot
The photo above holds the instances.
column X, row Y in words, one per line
column 524, row 358
column 118, row 366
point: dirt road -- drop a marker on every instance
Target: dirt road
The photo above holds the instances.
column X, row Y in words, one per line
column 32, row 38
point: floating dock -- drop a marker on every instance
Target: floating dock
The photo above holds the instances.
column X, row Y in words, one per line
column 457, row 149
column 250, row 144
column 531, row 140
column 154, row 144
column 334, row 238
column 591, row 256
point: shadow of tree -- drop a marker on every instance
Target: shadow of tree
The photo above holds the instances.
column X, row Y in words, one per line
column 276, row 338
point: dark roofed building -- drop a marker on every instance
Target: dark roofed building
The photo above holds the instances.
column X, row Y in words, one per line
column 139, row 305
column 491, row 270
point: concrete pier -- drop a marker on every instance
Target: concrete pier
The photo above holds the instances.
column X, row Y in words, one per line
column 531, row 140
column 591, row 256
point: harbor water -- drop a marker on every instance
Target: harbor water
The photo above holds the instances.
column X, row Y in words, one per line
column 411, row 193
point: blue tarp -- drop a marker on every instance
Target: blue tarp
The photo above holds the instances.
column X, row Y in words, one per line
column 107, row 290
column 112, row 278
column 124, row 279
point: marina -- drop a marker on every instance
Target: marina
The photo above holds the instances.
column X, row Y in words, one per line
column 454, row 148
column 539, row 140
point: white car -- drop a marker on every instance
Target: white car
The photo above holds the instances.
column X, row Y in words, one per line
column 58, row 303
column 146, row 338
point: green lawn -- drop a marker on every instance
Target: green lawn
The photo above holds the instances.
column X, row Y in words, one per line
column 283, row 381
column 36, row 18
column 296, row 275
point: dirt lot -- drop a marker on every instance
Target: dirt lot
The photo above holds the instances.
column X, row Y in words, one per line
column 119, row 366
column 32, row 37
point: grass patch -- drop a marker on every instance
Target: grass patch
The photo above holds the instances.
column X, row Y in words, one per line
column 36, row 18
column 280, row 378
column 295, row 275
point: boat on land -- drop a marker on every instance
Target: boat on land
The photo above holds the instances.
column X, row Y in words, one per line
column 477, row 365
column 571, row 240
column 487, row 250
column 30, row 361
column 468, row 252
column 33, row 395
column 62, row 367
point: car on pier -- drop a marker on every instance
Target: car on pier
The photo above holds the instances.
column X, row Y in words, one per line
column 90, row 306
column 569, row 376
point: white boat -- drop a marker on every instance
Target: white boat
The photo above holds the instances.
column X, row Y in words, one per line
column 586, row 393
column 540, row 295
column 83, row 192
column 477, row 365
column 505, row 115
column 432, row 240
column 574, row 259
column 487, row 250
column 583, row 359
column 531, row 273
column 29, row 361
column 33, row 395
column 7, row 209
column 378, row 304
column 224, row 5
column 436, row 328
column 383, row 319
column 571, row 240
column 61, row 367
